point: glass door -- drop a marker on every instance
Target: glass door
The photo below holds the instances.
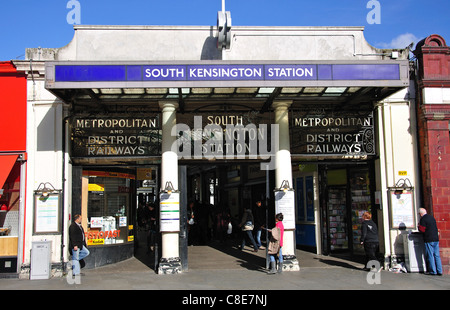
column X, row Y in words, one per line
column 337, row 218
column 307, row 206
column 360, row 203
column 117, row 208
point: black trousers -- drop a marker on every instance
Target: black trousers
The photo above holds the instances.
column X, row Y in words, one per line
column 371, row 249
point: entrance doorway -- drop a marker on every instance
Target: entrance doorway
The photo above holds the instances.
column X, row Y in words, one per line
column 306, row 186
column 217, row 195
column 346, row 193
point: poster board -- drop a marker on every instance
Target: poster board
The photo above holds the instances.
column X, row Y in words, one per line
column 169, row 219
column 285, row 203
column 402, row 209
column 47, row 214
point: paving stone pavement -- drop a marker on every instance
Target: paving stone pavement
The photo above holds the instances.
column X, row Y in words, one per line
column 227, row 268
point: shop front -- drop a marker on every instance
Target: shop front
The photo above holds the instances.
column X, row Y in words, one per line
column 12, row 166
column 111, row 180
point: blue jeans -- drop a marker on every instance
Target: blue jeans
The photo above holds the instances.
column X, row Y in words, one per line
column 76, row 257
column 258, row 237
column 250, row 236
column 433, row 257
column 280, row 257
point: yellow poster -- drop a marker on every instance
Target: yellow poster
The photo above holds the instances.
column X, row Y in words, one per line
column 144, row 173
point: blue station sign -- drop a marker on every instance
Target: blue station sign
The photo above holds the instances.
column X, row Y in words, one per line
column 226, row 72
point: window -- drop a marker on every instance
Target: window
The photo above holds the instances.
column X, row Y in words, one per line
column 109, row 207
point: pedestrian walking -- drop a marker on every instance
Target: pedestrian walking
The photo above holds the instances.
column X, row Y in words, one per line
column 369, row 238
column 151, row 226
column 428, row 227
column 260, row 222
column 192, row 223
column 247, row 225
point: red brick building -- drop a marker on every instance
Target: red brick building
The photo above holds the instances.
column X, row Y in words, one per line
column 433, row 99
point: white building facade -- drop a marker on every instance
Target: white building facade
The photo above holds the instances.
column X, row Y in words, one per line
column 113, row 116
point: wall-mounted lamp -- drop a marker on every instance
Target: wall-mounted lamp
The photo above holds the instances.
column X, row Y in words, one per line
column 45, row 189
column 284, row 186
column 404, row 185
column 169, row 189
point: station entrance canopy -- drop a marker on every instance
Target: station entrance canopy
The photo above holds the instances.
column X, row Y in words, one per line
column 220, row 87
column 254, row 84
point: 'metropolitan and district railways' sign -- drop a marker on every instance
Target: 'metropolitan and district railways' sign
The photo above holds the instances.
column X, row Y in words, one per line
column 326, row 132
column 314, row 132
column 116, row 136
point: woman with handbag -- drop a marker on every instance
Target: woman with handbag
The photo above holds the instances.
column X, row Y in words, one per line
column 247, row 228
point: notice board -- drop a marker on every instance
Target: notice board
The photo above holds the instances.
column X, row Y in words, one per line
column 402, row 209
column 47, row 213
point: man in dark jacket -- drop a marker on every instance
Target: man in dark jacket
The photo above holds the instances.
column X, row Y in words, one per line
column 77, row 243
column 428, row 227
column 369, row 238
column 260, row 221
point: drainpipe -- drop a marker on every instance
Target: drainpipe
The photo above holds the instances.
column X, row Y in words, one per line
column 63, row 195
column 383, row 189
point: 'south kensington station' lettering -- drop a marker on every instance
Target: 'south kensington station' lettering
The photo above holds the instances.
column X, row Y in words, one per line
column 230, row 72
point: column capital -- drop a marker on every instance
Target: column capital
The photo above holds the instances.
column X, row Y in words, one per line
column 281, row 104
column 168, row 104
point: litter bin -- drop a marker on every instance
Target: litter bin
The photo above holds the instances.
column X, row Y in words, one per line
column 414, row 248
column 41, row 256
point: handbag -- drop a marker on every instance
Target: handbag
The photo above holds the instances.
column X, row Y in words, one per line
column 230, row 228
column 248, row 226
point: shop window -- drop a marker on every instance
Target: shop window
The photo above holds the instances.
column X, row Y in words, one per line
column 9, row 215
column 108, row 207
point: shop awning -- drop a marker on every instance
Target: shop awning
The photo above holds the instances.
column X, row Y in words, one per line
column 6, row 164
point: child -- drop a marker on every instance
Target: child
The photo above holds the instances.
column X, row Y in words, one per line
column 276, row 244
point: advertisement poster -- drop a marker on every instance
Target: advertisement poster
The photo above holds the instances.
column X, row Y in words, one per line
column 96, row 222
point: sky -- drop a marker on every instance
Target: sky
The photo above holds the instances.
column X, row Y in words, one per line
column 388, row 23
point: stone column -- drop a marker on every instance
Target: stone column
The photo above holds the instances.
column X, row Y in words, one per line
column 170, row 259
column 283, row 171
